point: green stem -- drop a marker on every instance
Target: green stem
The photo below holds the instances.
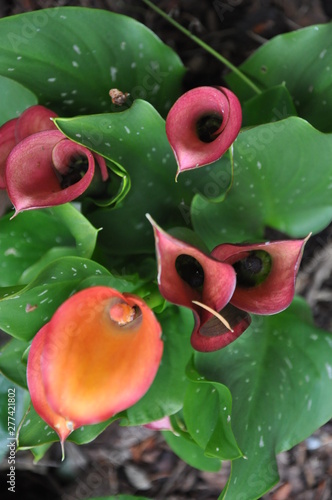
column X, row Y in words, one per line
column 206, row 47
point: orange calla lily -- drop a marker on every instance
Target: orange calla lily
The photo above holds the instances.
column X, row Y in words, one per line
column 97, row 356
column 37, row 391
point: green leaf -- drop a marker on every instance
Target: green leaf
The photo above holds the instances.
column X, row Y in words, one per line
column 39, row 451
column 34, row 432
column 289, row 192
column 191, row 453
column 166, row 393
column 207, row 412
column 270, row 106
column 300, row 60
column 110, row 193
column 35, row 238
column 71, row 57
column 25, row 312
column 135, row 138
column 11, row 362
column 14, row 99
column 280, row 375
column 11, row 411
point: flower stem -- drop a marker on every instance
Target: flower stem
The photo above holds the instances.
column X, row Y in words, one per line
column 206, row 47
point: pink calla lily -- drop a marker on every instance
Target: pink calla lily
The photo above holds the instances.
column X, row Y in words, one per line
column 34, row 119
column 188, row 277
column 266, row 273
column 202, row 125
column 39, row 166
column 97, row 356
column 40, row 171
column 264, row 283
column 7, row 142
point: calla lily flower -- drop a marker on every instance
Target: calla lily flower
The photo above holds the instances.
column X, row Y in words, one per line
column 188, row 277
column 202, row 125
column 37, row 390
column 266, row 273
column 39, row 166
column 7, row 143
column 264, row 283
column 47, row 169
column 34, row 119
column 97, row 356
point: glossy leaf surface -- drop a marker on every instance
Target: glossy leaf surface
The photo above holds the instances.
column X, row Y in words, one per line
column 107, row 134
column 151, row 168
column 271, row 189
column 35, row 432
column 12, row 364
column 272, row 105
column 165, row 396
column 23, row 313
column 15, row 98
column 191, row 453
column 207, row 414
column 275, row 412
column 122, row 52
column 33, row 239
column 300, row 60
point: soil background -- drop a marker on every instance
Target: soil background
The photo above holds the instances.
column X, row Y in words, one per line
column 137, row 461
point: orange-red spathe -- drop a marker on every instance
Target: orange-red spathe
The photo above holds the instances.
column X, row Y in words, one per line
column 91, row 366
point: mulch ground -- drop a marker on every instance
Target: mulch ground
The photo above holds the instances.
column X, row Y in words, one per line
column 137, row 460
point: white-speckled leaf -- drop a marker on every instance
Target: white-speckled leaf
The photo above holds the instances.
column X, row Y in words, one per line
column 70, row 57
column 24, row 312
column 300, row 60
column 35, row 238
column 135, row 138
column 14, row 99
column 12, row 364
column 280, row 375
column 282, row 179
column 34, row 431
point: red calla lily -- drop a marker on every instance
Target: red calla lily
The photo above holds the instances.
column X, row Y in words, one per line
column 188, row 277
column 34, row 119
column 39, row 166
column 202, row 125
column 264, row 283
column 39, row 171
column 97, row 356
column 266, row 273
column 7, row 142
